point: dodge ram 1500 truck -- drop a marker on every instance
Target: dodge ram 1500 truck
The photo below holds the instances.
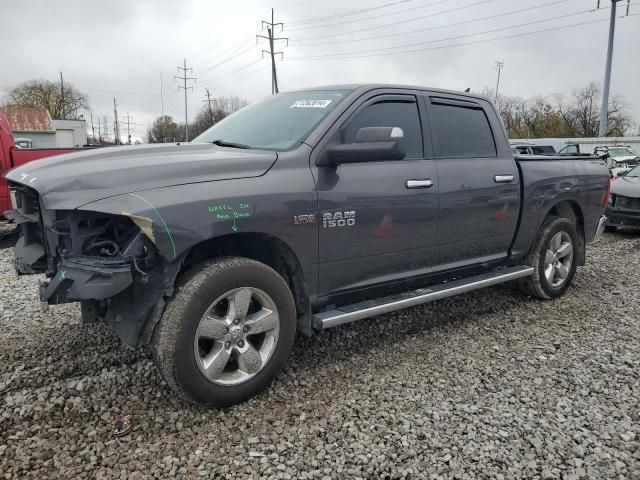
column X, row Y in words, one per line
column 300, row 212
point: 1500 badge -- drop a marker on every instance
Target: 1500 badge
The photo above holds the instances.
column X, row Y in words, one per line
column 339, row 219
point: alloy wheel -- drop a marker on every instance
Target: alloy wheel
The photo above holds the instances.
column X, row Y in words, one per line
column 558, row 259
column 236, row 336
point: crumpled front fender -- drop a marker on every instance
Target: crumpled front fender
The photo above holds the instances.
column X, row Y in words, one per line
column 145, row 215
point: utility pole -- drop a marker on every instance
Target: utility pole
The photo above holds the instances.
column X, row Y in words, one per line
column 116, row 130
column 127, row 118
column 499, row 65
column 161, row 111
column 208, row 100
column 271, row 52
column 62, row 113
column 185, row 78
column 93, row 130
column 161, row 98
column 103, row 128
column 604, row 109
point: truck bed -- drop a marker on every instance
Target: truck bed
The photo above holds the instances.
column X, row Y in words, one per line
column 547, row 180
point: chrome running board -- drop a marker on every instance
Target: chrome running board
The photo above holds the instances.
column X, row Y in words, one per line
column 370, row 308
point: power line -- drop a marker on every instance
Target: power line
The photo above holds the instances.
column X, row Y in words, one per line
column 355, row 52
column 237, row 79
column 235, row 53
column 226, row 74
column 293, row 4
column 219, row 54
column 394, row 13
column 435, row 27
column 185, row 78
column 324, row 57
column 270, row 27
column 351, row 12
column 127, row 92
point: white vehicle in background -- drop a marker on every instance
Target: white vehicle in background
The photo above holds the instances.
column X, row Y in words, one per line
column 23, row 142
column 621, row 159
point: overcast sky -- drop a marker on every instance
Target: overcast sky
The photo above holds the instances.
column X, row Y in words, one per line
column 120, row 48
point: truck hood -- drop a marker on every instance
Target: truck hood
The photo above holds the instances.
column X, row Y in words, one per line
column 626, row 186
column 75, row 179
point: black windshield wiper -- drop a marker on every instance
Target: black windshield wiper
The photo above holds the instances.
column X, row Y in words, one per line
column 222, row 143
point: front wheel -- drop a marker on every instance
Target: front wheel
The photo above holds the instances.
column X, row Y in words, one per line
column 226, row 333
column 553, row 258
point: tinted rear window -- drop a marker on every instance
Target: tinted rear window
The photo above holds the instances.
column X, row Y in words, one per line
column 541, row 150
column 462, row 131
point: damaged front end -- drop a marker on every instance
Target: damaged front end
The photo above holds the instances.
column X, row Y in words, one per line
column 105, row 261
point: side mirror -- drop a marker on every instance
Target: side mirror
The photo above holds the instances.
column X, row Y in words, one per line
column 373, row 144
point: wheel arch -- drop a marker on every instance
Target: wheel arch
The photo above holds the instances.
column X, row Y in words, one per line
column 572, row 211
column 264, row 248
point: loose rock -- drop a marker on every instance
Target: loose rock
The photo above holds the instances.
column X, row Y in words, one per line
column 487, row 385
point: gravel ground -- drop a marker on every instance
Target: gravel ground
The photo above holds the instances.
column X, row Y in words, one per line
column 487, row 385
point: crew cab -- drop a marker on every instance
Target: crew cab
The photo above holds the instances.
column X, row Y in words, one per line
column 300, row 212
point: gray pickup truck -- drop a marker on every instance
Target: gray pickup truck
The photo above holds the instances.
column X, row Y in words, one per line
column 300, row 212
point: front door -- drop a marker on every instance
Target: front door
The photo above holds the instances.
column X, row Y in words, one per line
column 378, row 220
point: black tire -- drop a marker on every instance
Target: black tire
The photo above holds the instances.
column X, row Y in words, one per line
column 173, row 339
column 610, row 228
column 538, row 285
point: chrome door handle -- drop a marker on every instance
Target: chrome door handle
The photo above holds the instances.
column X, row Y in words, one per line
column 426, row 183
column 503, row 178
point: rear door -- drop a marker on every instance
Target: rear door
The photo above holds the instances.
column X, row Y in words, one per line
column 378, row 220
column 479, row 188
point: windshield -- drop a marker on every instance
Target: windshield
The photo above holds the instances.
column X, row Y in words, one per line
column 634, row 172
column 621, row 152
column 279, row 122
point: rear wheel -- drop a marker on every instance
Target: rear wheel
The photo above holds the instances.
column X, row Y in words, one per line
column 227, row 332
column 553, row 258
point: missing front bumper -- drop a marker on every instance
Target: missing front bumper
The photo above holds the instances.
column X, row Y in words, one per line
column 85, row 278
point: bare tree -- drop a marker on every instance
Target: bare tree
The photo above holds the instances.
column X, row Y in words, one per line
column 620, row 122
column 584, row 111
column 576, row 116
column 221, row 107
column 47, row 94
column 512, row 110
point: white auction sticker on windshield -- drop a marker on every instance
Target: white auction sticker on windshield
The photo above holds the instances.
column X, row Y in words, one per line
column 311, row 104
